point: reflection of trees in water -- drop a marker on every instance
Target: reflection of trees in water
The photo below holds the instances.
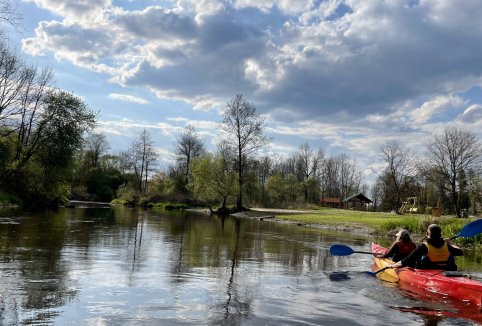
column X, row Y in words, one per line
column 134, row 256
column 236, row 309
column 34, row 277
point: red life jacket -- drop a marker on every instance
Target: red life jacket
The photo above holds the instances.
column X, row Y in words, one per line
column 405, row 248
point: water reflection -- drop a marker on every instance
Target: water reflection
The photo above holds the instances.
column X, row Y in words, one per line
column 133, row 266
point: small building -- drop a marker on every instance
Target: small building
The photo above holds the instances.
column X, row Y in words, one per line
column 333, row 202
column 358, row 202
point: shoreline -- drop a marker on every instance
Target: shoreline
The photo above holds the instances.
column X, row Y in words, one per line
column 270, row 215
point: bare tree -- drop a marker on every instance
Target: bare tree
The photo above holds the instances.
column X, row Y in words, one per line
column 188, row 146
column 308, row 166
column 329, row 178
column 243, row 131
column 8, row 15
column 142, row 158
column 400, row 171
column 452, row 153
column 350, row 176
column 18, row 82
column 96, row 145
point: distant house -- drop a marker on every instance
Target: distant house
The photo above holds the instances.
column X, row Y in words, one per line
column 333, row 202
column 357, row 201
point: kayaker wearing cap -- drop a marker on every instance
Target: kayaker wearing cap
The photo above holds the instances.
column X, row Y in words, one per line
column 401, row 248
column 434, row 253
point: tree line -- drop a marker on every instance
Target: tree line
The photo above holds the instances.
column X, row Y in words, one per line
column 50, row 152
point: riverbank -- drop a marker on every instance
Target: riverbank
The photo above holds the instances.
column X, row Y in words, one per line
column 369, row 223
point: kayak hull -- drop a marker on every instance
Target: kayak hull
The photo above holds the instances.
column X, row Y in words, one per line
column 458, row 287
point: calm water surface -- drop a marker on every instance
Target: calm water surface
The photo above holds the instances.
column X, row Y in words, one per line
column 120, row 266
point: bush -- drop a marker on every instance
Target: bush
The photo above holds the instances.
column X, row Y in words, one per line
column 9, row 200
column 105, row 193
column 169, row 206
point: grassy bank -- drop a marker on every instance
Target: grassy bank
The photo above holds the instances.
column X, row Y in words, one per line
column 384, row 224
column 9, row 200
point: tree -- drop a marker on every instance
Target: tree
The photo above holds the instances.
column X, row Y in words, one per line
column 143, row 158
column 264, row 169
column 400, row 171
column 275, row 190
column 308, row 166
column 96, row 145
column 188, row 146
column 22, row 90
column 8, row 14
column 44, row 144
column 243, row 132
column 212, row 180
column 451, row 153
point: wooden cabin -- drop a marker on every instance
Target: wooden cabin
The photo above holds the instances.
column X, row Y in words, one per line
column 357, row 202
column 333, row 202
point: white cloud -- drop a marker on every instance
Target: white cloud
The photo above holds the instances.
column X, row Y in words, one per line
column 128, row 98
column 472, row 115
column 130, row 127
column 198, row 124
column 344, row 63
column 436, row 106
column 80, row 11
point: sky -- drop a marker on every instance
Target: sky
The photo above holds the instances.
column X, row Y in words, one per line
column 344, row 76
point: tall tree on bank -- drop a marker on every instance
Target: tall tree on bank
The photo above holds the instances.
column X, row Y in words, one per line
column 188, row 146
column 452, row 153
column 400, row 171
column 44, row 145
column 143, row 159
column 243, row 133
column 308, row 170
column 96, row 145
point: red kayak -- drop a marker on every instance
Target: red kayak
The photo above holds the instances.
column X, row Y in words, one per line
column 452, row 284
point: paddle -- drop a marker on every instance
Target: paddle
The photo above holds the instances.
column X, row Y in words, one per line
column 378, row 271
column 342, row 250
column 470, row 230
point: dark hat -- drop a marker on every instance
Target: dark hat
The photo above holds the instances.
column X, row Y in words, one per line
column 434, row 231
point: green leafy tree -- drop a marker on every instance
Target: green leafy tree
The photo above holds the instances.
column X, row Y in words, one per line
column 275, row 190
column 44, row 156
column 212, row 181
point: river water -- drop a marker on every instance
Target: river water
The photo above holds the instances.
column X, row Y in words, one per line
column 121, row 266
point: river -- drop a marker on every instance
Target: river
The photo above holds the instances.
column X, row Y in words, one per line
column 124, row 266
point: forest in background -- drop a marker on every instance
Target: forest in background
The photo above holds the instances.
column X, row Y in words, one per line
column 50, row 153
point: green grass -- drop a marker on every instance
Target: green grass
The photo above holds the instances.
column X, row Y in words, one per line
column 328, row 216
column 169, row 206
column 7, row 200
column 383, row 224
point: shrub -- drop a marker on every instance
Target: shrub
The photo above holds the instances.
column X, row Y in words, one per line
column 9, row 200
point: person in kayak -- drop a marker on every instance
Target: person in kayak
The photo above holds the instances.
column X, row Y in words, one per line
column 401, row 248
column 434, row 253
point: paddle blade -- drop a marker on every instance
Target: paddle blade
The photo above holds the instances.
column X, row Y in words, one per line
column 471, row 229
column 340, row 250
column 378, row 271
